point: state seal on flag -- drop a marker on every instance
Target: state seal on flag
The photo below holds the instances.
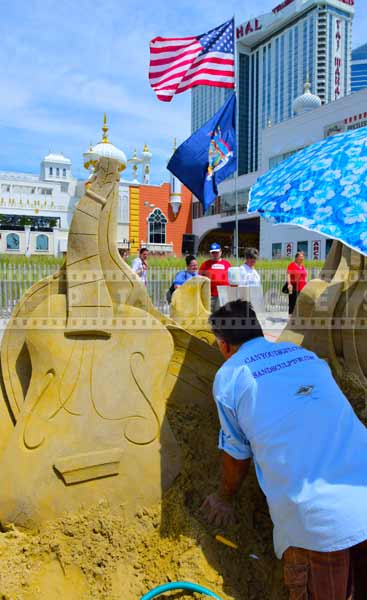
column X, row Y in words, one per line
column 219, row 153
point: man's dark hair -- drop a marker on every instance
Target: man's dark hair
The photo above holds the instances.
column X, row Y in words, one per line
column 143, row 250
column 235, row 323
column 251, row 253
column 189, row 258
column 299, row 254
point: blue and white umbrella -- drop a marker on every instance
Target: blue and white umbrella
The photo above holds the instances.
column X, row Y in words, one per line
column 321, row 188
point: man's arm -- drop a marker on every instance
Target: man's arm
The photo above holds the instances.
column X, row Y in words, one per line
column 233, row 474
column 217, row 507
column 237, row 452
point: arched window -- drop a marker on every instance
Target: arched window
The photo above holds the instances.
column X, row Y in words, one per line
column 64, row 172
column 51, row 171
column 12, row 241
column 157, row 227
column 57, row 172
column 42, row 243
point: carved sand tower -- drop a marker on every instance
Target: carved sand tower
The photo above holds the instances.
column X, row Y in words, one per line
column 332, row 321
column 88, row 365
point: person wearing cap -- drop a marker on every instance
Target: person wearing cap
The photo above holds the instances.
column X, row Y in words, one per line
column 216, row 269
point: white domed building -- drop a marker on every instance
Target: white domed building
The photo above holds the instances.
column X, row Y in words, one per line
column 36, row 210
column 307, row 101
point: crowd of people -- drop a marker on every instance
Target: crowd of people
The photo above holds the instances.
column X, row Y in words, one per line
column 216, row 268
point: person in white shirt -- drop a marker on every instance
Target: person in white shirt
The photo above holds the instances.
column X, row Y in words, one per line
column 140, row 264
column 248, row 273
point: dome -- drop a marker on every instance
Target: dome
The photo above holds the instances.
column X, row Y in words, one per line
column 57, row 158
column 146, row 154
column 104, row 149
column 360, row 53
column 307, row 101
column 108, row 150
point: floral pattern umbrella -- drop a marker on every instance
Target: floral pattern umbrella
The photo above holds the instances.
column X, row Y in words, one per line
column 321, row 188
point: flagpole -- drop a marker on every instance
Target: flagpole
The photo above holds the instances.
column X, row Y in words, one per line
column 236, row 217
column 237, row 138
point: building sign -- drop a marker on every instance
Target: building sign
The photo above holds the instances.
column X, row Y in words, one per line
column 289, row 249
column 338, row 58
column 316, row 249
column 283, row 5
column 349, row 2
column 354, row 122
column 249, row 27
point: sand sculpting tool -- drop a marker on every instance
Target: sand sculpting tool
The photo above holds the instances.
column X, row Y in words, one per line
column 179, row 585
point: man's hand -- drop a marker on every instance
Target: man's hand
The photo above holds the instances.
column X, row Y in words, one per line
column 218, row 511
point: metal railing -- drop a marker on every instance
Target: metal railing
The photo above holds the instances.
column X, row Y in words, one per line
column 15, row 279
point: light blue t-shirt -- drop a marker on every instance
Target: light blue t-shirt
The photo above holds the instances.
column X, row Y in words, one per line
column 183, row 276
column 279, row 404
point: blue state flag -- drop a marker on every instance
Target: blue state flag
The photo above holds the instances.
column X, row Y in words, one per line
column 208, row 156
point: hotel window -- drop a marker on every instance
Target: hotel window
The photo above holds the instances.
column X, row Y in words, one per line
column 64, row 172
column 42, row 243
column 57, row 172
column 51, row 171
column 157, row 227
column 303, row 247
column 276, row 250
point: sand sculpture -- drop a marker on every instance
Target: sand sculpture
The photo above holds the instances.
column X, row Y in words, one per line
column 108, row 432
column 331, row 320
column 88, row 365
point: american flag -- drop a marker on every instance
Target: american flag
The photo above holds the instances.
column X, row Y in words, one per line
column 177, row 64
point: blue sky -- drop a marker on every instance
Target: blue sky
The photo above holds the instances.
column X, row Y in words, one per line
column 64, row 63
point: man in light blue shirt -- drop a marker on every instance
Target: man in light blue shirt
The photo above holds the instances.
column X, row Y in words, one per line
column 279, row 406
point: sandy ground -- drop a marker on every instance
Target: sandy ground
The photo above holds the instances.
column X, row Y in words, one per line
column 97, row 555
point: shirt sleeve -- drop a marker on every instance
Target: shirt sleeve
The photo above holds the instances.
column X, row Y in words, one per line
column 179, row 278
column 231, row 439
column 136, row 265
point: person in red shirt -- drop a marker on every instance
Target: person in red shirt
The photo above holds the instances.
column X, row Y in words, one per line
column 216, row 269
column 297, row 279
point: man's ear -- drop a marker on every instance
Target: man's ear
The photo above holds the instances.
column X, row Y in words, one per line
column 224, row 347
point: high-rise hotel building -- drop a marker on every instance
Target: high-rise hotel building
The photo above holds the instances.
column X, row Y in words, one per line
column 359, row 68
column 277, row 53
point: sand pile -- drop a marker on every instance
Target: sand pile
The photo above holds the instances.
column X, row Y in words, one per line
column 98, row 555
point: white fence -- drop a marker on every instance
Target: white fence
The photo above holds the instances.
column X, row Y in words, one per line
column 16, row 279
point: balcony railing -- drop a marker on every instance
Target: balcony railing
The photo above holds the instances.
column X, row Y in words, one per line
column 158, row 248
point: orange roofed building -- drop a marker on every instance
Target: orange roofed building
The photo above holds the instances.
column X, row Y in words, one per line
column 158, row 217
column 153, row 222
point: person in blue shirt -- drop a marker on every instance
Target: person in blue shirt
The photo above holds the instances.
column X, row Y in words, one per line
column 280, row 407
column 191, row 271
